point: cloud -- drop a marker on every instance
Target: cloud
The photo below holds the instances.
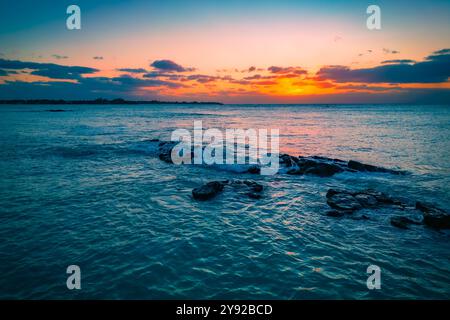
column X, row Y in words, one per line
column 398, row 61
column 169, row 66
column 50, row 70
column 75, row 85
column 159, row 74
column 57, row 56
column 389, row 51
column 258, row 77
column 201, row 78
column 442, row 51
column 97, row 58
column 286, row 70
column 434, row 69
column 133, row 70
column 84, row 88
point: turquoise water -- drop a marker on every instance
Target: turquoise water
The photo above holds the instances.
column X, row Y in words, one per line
column 78, row 187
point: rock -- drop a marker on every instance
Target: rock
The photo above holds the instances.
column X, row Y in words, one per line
column 56, row 110
column 324, row 169
column 344, row 202
column 165, row 151
column 347, row 201
column 434, row 216
column 254, row 169
column 332, row 192
column 208, row 190
column 358, row 166
column 366, row 200
column 254, row 185
column 288, row 161
column 335, row 213
column 314, row 165
column 401, row 222
column 254, row 195
column 359, row 217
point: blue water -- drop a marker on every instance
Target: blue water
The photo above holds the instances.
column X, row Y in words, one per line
column 78, row 187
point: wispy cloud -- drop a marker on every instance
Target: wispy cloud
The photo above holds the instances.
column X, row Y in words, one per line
column 59, row 57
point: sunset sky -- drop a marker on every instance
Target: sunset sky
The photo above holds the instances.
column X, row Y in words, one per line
column 233, row 52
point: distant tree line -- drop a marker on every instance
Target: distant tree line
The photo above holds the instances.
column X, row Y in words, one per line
column 98, row 101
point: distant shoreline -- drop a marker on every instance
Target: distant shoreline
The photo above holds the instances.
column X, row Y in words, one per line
column 98, row 102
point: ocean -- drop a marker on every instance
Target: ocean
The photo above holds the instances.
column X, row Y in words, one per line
column 79, row 188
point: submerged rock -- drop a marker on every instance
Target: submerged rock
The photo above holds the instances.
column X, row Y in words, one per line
column 250, row 188
column 402, row 222
column 434, row 216
column 57, row 110
column 344, row 202
column 335, row 213
column 349, row 202
column 254, row 195
column 208, row 190
column 165, row 151
column 256, row 187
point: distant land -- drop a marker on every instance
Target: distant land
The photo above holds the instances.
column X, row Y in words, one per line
column 98, row 101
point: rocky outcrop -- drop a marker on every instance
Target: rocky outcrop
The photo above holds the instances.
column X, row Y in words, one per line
column 344, row 201
column 433, row 216
column 358, row 166
column 326, row 167
column 313, row 165
column 250, row 188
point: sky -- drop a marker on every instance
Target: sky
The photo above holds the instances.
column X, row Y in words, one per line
column 232, row 52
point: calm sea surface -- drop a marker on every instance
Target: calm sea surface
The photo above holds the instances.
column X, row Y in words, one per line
column 77, row 187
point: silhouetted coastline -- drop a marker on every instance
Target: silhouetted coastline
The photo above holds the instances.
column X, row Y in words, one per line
column 99, row 101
